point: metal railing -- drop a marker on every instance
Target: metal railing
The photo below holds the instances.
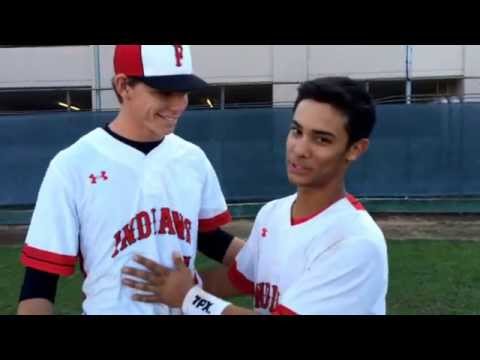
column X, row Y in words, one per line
column 430, row 99
column 401, row 99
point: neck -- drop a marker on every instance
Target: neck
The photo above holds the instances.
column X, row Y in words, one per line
column 125, row 126
column 313, row 200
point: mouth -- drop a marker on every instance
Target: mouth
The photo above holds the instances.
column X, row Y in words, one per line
column 295, row 168
column 168, row 118
column 172, row 122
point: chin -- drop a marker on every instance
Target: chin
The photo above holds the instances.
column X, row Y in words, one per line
column 298, row 182
column 161, row 133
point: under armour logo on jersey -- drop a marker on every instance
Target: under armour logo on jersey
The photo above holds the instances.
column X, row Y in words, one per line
column 178, row 54
column 264, row 232
column 202, row 304
column 94, row 179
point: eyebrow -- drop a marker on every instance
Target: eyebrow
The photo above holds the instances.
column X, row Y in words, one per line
column 315, row 132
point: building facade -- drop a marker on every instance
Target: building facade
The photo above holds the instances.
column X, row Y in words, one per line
column 78, row 78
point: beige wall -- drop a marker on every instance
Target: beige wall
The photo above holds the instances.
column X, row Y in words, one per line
column 284, row 94
column 109, row 101
column 472, row 60
column 357, row 61
column 438, row 61
column 472, row 69
column 46, row 66
column 284, row 65
column 296, row 63
column 73, row 65
column 217, row 64
column 234, row 63
column 384, row 61
column 290, row 63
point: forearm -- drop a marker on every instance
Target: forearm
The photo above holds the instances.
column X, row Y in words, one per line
column 235, row 247
column 35, row 307
column 220, row 246
column 217, row 282
column 233, row 310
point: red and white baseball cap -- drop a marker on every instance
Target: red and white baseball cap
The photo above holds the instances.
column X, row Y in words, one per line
column 163, row 67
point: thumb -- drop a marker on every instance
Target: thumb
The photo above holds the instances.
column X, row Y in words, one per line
column 178, row 261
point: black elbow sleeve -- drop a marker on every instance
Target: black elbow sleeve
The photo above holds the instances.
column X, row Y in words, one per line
column 215, row 244
column 39, row 285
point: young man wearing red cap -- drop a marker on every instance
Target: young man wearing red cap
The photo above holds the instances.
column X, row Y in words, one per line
column 132, row 187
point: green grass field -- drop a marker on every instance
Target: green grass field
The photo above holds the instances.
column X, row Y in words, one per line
column 426, row 278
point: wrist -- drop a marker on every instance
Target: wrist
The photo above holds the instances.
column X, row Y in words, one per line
column 199, row 302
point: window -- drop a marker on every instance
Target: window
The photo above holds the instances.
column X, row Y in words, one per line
column 241, row 96
column 430, row 90
column 209, row 98
column 34, row 100
column 232, row 97
column 448, row 87
column 387, row 90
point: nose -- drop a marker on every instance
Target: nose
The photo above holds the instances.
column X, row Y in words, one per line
column 300, row 147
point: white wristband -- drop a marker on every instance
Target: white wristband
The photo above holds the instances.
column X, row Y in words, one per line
column 199, row 302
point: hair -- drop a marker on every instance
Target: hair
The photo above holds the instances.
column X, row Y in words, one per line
column 347, row 96
column 131, row 81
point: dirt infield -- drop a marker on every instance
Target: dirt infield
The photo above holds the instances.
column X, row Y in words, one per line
column 12, row 235
column 395, row 227
column 430, row 227
column 412, row 227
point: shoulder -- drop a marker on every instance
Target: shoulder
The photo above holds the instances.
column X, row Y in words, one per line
column 185, row 146
column 361, row 240
column 76, row 154
column 277, row 206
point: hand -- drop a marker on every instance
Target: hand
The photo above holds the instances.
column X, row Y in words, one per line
column 165, row 286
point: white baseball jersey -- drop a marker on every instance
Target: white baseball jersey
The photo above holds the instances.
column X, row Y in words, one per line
column 332, row 264
column 102, row 202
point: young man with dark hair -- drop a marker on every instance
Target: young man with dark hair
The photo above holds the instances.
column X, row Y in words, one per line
column 317, row 252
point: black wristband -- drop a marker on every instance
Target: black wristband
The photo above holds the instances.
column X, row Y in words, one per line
column 215, row 244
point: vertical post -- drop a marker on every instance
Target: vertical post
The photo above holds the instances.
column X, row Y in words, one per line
column 222, row 98
column 98, row 80
column 69, row 101
column 409, row 63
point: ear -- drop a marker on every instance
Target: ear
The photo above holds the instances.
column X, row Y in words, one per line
column 120, row 83
column 357, row 150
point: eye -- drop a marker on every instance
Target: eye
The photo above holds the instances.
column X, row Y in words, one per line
column 323, row 140
column 295, row 131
